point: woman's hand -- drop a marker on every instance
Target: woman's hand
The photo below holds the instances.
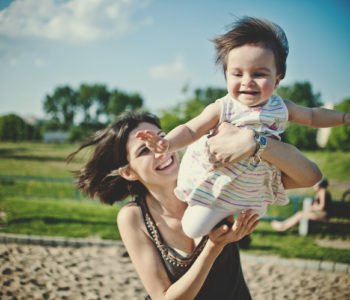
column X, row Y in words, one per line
column 244, row 225
column 230, row 143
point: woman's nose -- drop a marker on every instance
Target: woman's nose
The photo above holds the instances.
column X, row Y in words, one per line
column 159, row 155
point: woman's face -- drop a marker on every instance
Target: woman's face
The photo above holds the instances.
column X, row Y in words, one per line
column 149, row 170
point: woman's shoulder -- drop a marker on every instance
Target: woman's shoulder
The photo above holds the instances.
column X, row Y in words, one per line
column 129, row 214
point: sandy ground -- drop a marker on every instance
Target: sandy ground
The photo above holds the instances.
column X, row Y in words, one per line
column 40, row 272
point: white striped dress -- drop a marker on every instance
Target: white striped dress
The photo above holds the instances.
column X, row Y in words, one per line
column 248, row 184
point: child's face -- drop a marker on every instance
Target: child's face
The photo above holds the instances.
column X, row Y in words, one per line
column 251, row 74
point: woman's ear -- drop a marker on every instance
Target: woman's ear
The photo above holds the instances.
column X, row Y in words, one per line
column 127, row 173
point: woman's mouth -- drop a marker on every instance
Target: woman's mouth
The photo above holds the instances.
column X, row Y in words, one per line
column 165, row 164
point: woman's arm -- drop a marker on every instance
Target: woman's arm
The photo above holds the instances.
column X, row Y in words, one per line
column 149, row 266
column 231, row 144
column 298, row 171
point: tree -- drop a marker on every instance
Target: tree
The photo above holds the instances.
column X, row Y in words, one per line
column 93, row 102
column 170, row 119
column 190, row 108
column 340, row 136
column 120, row 101
column 297, row 135
column 62, row 106
column 300, row 93
column 13, row 128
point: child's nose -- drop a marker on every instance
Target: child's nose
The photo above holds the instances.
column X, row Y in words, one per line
column 247, row 80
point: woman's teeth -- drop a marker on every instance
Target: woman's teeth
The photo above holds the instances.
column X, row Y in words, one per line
column 165, row 164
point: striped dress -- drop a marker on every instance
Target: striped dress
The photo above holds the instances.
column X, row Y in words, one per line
column 248, row 184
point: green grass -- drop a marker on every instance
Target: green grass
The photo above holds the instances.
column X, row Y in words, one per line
column 37, row 159
column 38, row 189
column 66, row 218
column 334, row 165
column 290, row 245
column 40, row 199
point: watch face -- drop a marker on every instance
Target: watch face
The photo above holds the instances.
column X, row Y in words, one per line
column 262, row 140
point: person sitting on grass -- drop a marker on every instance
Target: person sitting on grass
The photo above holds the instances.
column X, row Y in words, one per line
column 318, row 211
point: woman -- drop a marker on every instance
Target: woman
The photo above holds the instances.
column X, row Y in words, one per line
column 318, row 210
column 170, row 264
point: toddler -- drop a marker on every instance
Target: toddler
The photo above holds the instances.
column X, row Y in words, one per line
column 253, row 56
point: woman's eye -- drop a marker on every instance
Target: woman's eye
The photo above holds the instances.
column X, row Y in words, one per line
column 144, row 151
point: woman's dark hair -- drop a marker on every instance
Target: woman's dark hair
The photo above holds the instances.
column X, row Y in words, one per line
column 250, row 30
column 96, row 178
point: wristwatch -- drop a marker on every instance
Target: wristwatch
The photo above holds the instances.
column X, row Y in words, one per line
column 261, row 143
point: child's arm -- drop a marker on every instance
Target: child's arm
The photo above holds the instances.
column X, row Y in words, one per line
column 184, row 134
column 316, row 116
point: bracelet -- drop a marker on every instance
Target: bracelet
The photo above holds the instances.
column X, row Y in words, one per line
column 257, row 145
column 261, row 143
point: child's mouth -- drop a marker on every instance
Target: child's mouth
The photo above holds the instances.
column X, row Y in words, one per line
column 249, row 93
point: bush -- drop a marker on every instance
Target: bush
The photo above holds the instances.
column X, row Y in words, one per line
column 13, row 128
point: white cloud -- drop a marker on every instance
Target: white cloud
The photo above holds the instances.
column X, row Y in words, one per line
column 173, row 70
column 73, row 21
column 39, row 62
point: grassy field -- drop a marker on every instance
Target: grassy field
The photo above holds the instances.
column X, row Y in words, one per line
column 38, row 196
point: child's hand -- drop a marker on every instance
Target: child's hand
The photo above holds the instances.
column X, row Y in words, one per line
column 153, row 142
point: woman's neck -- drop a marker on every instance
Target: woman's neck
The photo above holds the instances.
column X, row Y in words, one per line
column 165, row 202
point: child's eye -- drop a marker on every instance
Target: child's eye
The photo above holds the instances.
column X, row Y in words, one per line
column 260, row 74
column 236, row 74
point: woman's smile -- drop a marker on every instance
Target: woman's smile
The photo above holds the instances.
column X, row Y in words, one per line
column 164, row 165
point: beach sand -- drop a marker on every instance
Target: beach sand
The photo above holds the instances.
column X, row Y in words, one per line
column 95, row 272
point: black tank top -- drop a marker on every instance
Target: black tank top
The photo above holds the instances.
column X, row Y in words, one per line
column 225, row 280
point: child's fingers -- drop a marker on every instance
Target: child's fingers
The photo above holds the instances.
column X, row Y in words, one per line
column 143, row 134
column 140, row 134
column 163, row 145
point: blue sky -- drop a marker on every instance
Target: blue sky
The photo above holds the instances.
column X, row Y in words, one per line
column 155, row 47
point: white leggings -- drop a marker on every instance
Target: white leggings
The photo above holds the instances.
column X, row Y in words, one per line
column 199, row 220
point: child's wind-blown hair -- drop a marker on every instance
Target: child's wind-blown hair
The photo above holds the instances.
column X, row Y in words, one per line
column 250, row 30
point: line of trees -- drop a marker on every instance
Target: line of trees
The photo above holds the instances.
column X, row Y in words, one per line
column 94, row 104
column 91, row 107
